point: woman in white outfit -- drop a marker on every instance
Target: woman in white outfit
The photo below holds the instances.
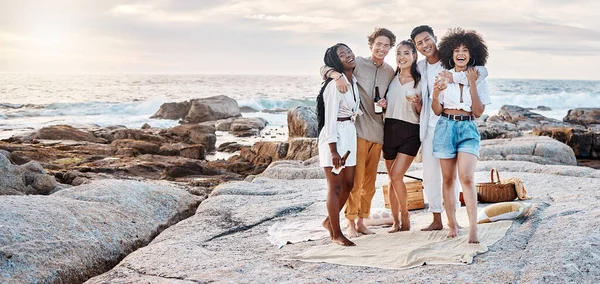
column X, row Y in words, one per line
column 338, row 136
column 456, row 139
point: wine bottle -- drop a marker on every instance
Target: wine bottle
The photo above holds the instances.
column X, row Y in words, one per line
column 337, row 171
column 378, row 109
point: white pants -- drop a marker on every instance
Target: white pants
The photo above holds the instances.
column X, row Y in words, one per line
column 432, row 175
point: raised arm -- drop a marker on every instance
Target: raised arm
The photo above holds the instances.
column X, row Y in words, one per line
column 328, row 72
column 477, row 107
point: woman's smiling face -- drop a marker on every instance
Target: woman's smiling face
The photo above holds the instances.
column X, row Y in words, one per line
column 461, row 56
column 405, row 56
column 346, row 57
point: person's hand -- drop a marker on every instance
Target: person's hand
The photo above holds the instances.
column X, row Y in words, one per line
column 341, row 85
column 336, row 160
column 447, row 74
column 472, row 75
column 439, row 85
column 382, row 103
column 416, row 100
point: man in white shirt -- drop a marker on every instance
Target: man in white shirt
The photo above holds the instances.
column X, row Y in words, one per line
column 426, row 43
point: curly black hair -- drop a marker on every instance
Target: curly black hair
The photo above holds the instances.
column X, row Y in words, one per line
column 472, row 40
column 382, row 32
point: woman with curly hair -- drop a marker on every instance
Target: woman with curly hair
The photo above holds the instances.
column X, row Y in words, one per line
column 401, row 129
column 456, row 138
column 338, row 137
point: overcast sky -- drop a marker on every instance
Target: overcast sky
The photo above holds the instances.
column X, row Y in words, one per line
column 550, row 39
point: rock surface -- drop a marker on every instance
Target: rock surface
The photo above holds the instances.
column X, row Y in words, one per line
column 302, row 122
column 200, row 110
column 541, row 150
column 82, row 231
column 583, row 116
column 225, row 240
column 29, row 178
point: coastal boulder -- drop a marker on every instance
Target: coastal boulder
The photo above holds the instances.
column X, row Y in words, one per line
column 523, row 118
column 224, row 124
column 248, row 126
column 29, row 178
column 126, row 133
column 211, row 109
column 583, row 116
column 82, row 231
column 585, row 142
column 302, row 122
column 173, row 110
column 203, row 133
column 194, row 151
column 541, row 150
column 265, row 152
column 200, row 110
column 66, row 132
column 302, row 149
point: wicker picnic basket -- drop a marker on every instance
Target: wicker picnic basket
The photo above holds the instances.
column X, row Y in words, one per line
column 496, row 191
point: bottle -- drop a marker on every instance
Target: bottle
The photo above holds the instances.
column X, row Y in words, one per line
column 378, row 109
column 336, row 171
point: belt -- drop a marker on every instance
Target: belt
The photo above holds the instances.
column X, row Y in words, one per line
column 458, row 117
column 343, row 118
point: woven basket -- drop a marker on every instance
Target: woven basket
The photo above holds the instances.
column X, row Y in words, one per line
column 495, row 191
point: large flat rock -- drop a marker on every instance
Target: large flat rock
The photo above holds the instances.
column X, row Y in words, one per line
column 225, row 241
column 83, row 231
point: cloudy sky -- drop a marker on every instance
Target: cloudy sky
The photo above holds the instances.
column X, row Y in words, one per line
column 551, row 39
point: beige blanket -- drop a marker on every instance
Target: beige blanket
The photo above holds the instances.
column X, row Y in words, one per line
column 409, row 249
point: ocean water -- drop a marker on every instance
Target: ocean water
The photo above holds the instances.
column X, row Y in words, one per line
column 29, row 102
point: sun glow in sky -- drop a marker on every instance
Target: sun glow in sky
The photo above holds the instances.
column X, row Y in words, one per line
column 527, row 39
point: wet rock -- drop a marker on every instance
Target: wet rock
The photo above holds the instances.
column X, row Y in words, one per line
column 62, row 132
column 247, row 109
column 585, row 142
column 146, row 126
column 583, row 116
column 245, row 127
column 224, row 124
column 193, row 134
column 302, row 122
column 173, row 110
column 229, row 147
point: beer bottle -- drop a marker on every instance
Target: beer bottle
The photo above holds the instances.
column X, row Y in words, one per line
column 378, row 109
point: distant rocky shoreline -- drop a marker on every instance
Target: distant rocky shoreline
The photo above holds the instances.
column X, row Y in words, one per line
column 71, row 165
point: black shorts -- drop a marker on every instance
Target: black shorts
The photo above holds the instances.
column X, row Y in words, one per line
column 400, row 137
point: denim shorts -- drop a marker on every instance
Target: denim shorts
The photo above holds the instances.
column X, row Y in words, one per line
column 451, row 137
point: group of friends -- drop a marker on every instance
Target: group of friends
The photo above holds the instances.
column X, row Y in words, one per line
column 432, row 103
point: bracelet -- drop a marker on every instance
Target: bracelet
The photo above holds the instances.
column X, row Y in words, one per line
column 341, row 75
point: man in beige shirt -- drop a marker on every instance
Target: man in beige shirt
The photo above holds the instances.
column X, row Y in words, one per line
column 371, row 73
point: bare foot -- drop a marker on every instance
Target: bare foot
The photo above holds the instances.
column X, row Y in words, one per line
column 352, row 232
column 453, row 232
column 473, row 237
column 405, row 223
column 327, row 225
column 434, row 226
column 361, row 228
column 395, row 228
column 343, row 241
